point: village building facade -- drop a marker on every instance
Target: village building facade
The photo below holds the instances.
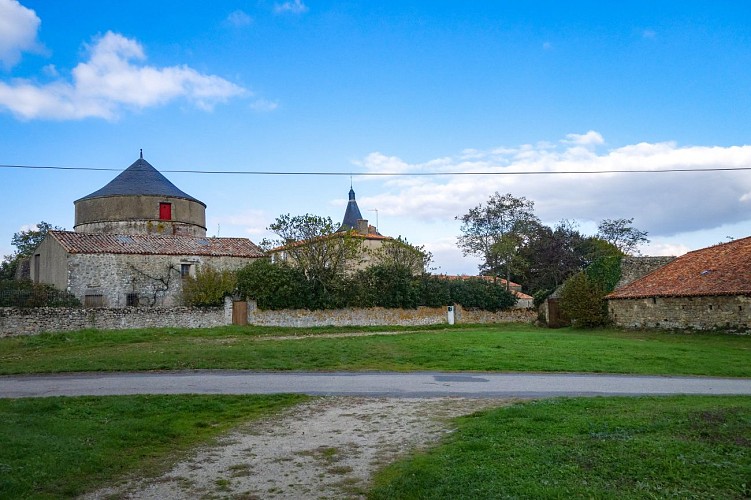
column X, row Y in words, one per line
column 134, row 242
column 704, row 289
column 354, row 231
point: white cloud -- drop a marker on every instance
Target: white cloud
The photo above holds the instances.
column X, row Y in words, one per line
column 114, row 78
column 648, row 33
column 293, row 7
column 661, row 203
column 263, row 105
column 18, row 32
column 591, row 138
column 239, row 19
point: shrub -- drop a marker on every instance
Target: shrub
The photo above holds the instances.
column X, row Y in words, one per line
column 274, row 286
column 435, row 291
column 281, row 286
column 477, row 293
column 582, row 301
column 209, row 287
column 386, row 286
column 28, row 294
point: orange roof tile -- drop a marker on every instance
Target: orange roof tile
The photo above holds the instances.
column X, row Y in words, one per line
column 151, row 244
column 723, row 269
column 486, row 278
column 350, row 233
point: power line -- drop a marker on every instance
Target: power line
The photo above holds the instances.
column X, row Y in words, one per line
column 389, row 174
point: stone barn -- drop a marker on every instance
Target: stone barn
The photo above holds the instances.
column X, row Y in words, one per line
column 704, row 289
column 135, row 241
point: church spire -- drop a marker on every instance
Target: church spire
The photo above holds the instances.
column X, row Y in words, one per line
column 352, row 214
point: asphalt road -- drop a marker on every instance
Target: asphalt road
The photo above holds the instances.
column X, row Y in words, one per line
column 420, row 384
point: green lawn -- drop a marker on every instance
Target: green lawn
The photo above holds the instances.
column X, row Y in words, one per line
column 686, row 447
column 503, row 348
column 619, row 448
column 63, row 447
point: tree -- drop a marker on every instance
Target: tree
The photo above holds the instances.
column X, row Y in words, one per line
column 495, row 232
column 551, row 256
column 400, row 254
column 619, row 232
column 310, row 243
column 25, row 242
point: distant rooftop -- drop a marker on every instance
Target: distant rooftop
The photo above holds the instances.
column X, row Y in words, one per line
column 140, row 179
column 352, row 214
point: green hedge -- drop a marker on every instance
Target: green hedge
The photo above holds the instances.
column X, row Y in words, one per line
column 280, row 286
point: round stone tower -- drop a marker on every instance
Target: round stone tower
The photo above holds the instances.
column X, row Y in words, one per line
column 140, row 201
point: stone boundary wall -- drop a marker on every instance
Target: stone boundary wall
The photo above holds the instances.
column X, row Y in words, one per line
column 698, row 313
column 378, row 316
column 27, row 321
column 22, row 321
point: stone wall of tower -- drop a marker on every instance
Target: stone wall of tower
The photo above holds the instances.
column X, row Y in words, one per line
column 140, row 215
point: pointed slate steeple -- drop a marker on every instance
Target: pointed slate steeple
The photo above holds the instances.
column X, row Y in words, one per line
column 352, row 214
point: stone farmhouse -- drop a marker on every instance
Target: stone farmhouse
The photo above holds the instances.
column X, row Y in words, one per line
column 133, row 243
column 704, row 289
column 354, row 226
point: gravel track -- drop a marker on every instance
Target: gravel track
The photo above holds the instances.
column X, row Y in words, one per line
column 325, row 448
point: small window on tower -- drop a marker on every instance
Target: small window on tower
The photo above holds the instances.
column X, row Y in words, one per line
column 165, row 211
column 184, row 270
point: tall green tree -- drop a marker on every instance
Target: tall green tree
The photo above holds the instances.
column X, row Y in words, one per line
column 400, row 254
column 551, row 256
column 311, row 244
column 620, row 233
column 496, row 230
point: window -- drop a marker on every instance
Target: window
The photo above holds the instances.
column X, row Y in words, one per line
column 93, row 301
column 165, row 211
column 184, row 270
column 131, row 300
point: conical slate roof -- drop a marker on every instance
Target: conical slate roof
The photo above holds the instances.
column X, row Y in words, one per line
column 140, row 179
column 352, row 214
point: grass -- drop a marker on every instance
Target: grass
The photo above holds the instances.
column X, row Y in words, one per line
column 63, row 447
column 502, row 348
column 592, row 447
column 620, row 448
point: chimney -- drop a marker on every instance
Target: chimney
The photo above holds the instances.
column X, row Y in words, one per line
column 362, row 226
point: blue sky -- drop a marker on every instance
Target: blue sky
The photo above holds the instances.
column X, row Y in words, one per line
column 386, row 87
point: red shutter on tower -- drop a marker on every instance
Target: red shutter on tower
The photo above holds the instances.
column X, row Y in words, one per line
column 165, row 211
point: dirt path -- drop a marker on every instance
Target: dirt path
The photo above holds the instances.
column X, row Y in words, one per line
column 326, row 448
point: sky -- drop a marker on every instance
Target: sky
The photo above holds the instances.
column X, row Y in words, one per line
column 591, row 110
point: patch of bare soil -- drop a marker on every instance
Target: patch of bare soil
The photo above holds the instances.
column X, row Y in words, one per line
column 325, row 448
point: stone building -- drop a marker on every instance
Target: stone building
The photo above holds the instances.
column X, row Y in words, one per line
column 140, row 201
column 369, row 241
column 135, row 241
column 704, row 289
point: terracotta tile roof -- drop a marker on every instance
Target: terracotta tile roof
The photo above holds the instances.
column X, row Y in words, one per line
column 717, row 270
column 339, row 234
column 501, row 281
column 149, row 244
